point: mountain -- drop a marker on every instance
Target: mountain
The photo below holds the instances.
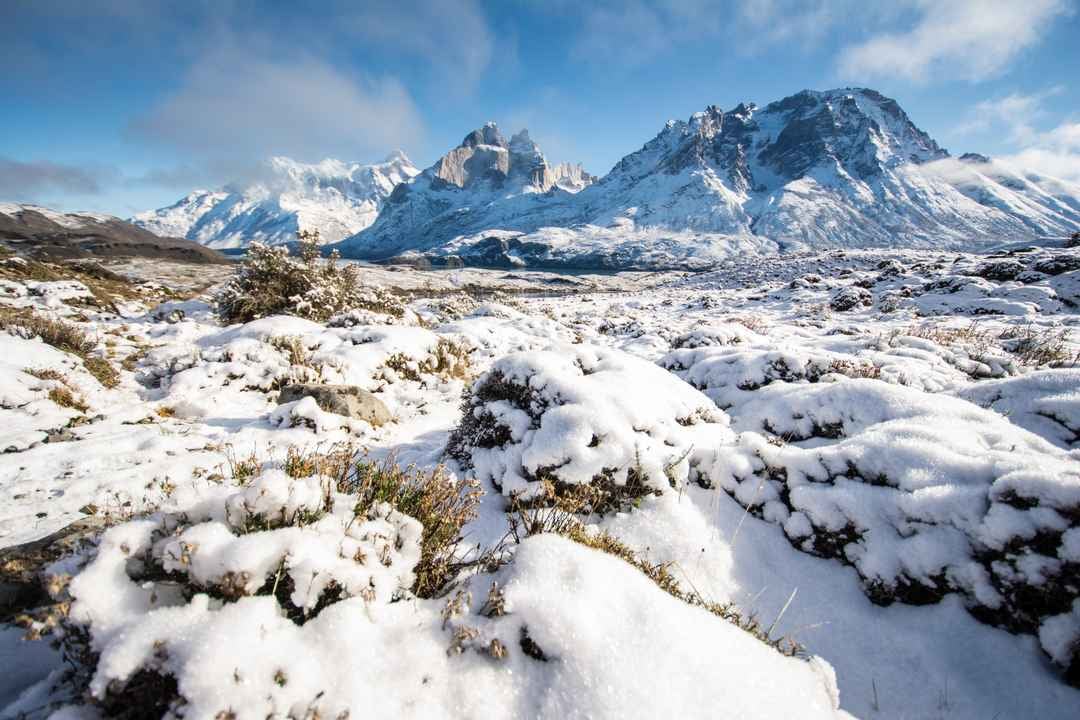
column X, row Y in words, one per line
column 840, row 168
column 484, row 183
column 336, row 198
column 43, row 232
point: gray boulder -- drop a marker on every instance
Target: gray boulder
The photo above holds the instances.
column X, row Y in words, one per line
column 347, row 400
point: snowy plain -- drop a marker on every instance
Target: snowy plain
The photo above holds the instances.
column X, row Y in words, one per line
column 823, row 431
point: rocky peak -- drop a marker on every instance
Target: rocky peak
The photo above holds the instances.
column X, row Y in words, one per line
column 487, row 135
column 486, row 160
column 707, row 124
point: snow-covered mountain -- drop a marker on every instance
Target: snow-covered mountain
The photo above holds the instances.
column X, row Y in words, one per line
column 339, row 199
column 840, row 168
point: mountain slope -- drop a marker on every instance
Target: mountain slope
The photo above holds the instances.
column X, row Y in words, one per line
column 336, row 198
column 841, row 168
column 47, row 233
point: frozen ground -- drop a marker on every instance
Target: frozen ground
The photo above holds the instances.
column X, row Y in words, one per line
column 875, row 454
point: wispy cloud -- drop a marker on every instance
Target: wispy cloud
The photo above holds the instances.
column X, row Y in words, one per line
column 1017, row 113
column 454, row 36
column 1018, row 117
column 969, row 39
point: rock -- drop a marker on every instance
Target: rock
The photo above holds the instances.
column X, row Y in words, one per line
column 22, row 584
column 850, row 297
column 347, row 400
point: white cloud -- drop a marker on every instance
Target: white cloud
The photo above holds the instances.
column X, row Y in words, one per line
column 1018, row 116
column 971, row 39
column 240, row 103
column 1056, row 153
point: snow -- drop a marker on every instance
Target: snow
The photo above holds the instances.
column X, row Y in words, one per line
column 336, row 198
column 573, row 602
column 842, row 168
column 868, row 482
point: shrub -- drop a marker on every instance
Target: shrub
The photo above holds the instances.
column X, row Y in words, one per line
column 587, row 426
column 270, row 282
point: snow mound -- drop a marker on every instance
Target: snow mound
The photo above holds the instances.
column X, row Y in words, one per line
column 1046, row 402
column 923, row 494
column 579, row 415
column 567, row 618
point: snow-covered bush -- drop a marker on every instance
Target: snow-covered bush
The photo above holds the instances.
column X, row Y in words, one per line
column 725, row 374
column 292, row 540
column 923, row 494
column 270, row 282
column 850, row 298
column 597, row 426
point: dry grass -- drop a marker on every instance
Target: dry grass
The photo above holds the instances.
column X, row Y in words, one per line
column 106, row 286
column 64, row 397
column 61, row 335
column 442, row 504
column 971, row 334
column 46, row 374
column 449, row 359
column 103, row 370
column 754, row 323
column 855, row 369
column 1039, row 348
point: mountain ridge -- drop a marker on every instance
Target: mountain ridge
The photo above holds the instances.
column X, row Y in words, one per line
column 334, row 197
column 835, row 168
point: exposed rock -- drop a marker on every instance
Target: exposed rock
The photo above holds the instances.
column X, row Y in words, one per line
column 22, row 585
column 347, row 400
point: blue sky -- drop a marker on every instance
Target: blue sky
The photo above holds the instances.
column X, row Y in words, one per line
column 125, row 105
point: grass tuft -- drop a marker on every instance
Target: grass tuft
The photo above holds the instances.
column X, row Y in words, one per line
column 441, row 503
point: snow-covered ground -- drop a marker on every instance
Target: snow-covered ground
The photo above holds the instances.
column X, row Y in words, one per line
column 874, row 454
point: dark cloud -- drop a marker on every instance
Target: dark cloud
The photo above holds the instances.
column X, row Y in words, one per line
column 29, row 180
